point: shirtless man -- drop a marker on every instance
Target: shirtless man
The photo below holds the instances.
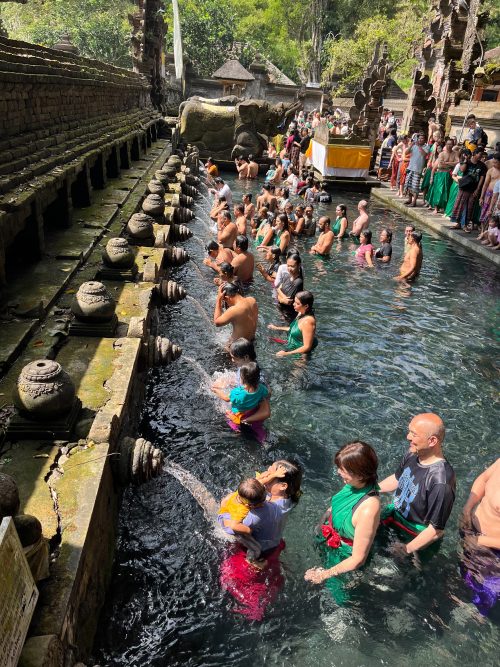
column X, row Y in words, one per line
column 433, row 127
column 241, row 312
column 241, row 167
column 412, row 261
column 480, row 530
column 492, row 176
column 253, row 168
column 217, row 255
column 325, row 239
column 243, row 261
column 240, row 219
column 249, row 207
column 423, row 486
column 227, row 230
column 362, row 221
column 219, row 205
column 266, row 198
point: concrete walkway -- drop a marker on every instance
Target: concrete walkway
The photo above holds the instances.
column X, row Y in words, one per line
column 435, row 222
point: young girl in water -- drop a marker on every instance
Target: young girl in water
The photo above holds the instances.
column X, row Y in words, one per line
column 245, row 400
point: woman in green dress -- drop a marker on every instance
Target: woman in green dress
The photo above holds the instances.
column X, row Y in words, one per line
column 348, row 527
column 302, row 331
column 457, row 174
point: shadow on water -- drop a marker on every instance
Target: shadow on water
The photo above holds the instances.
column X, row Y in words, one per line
column 385, row 353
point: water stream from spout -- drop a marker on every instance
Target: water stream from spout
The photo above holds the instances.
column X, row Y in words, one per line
column 200, row 308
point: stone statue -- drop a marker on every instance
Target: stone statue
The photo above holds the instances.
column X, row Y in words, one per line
column 226, row 131
column 421, row 104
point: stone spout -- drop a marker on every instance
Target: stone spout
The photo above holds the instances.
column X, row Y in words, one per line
column 161, row 351
column 138, row 461
column 170, row 292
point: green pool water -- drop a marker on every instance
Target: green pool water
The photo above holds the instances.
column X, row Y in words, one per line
column 385, row 353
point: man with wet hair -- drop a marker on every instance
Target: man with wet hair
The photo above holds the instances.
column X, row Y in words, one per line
column 253, row 168
column 216, row 255
column 267, row 198
column 243, row 261
column 326, row 238
column 240, row 219
column 226, row 230
column 249, row 207
column 412, row 261
column 423, row 486
column 241, row 312
column 241, row 167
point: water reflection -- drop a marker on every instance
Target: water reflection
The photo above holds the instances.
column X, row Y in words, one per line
column 386, row 352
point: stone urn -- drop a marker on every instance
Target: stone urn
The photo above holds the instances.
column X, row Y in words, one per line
column 169, row 171
column 44, row 390
column 118, row 254
column 154, row 205
column 156, row 188
column 9, row 496
column 93, row 303
column 174, row 161
column 140, row 226
column 162, row 177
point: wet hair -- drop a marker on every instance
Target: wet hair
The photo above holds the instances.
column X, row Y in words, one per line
column 266, row 186
column 210, row 159
column 471, row 116
column 343, row 208
column 218, row 180
column 241, row 242
column 417, row 237
column 367, row 234
column 292, row 479
column 229, row 289
column 275, row 251
column 286, row 192
column 227, row 268
column 248, row 195
column 212, row 245
column 226, row 214
column 250, row 374
column 358, row 458
column 496, row 156
column 477, row 151
column 252, row 491
column 326, row 219
column 278, row 161
column 294, row 256
column 241, row 348
column 306, row 298
column 282, row 217
column 250, row 157
column 222, row 198
column 239, row 207
column 388, row 234
column 411, row 225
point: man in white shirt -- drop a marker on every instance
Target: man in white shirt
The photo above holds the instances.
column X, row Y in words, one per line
column 222, row 190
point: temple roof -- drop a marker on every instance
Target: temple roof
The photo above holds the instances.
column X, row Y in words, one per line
column 276, row 75
column 492, row 54
column 233, row 70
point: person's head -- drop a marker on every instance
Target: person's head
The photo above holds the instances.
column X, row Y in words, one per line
column 273, row 253
column 476, row 155
column 226, row 271
column 230, row 292
column 309, row 211
column 266, row 188
column 426, row 434
column 250, row 374
column 242, row 351
column 278, row 162
column 362, row 205
column 288, row 208
column 386, row 236
column 357, row 464
column 421, row 139
column 365, row 237
column 299, row 210
column 303, row 303
column 304, row 132
column 282, row 222
column 432, row 118
column 210, row 162
column 287, row 485
column 222, row 200
column 224, row 217
column 415, row 237
column 341, row 210
column 324, row 223
column 247, row 197
column 293, row 264
column 251, row 492
column 394, row 132
column 409, row 229
column 436, row 135
column 263, row 211
column 285, row 192
column 212, row 249
column 239, row 210
column 493, row 221
column 496, row 160
column 471, row 121
column 240, row 244
column 250, row 158
column 218, row 182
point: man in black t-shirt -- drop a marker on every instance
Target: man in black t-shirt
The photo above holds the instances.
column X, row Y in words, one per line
column 384, row 252
column 423, row 485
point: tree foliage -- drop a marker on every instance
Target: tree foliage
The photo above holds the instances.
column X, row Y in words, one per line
column 98, row 28
column 346, row 58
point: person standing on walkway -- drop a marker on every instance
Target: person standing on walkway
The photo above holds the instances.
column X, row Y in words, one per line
column 469, row 190
column 418, row 153
column 423, row 486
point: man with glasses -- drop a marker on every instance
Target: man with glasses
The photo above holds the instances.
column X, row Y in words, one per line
column 423, row 486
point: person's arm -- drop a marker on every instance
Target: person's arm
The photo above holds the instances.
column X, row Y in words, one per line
column 208, row 261
column 220, row 393
column 274, row 327
column 237, row 527
column 299, row 226
column 424, row 539
column 479, row 187
column 343, row 229
column 267, row 238
column 236, row 263
column 389, row 484
column 265, row 274
column 384, row 258
column 368, row 258
column 262, row 413
column 364, row 533
column 221, row 318
column 477, row 492
column 284, row 241
column 412, row 260
column 282, row 298
column 274, row 471
column 307, row 327
column 485, row 186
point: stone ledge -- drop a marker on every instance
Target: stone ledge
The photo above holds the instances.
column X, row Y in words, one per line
column 436, row 223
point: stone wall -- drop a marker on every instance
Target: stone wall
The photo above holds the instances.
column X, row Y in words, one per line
column 67, row 124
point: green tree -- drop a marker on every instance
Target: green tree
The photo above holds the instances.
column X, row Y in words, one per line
column 346, row 59
column 99, row 30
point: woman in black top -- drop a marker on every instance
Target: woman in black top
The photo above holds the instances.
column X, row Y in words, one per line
column 291, row 284
column 273, row 254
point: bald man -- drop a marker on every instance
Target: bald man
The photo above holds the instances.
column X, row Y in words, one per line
column 423, row 486
column 362, row 221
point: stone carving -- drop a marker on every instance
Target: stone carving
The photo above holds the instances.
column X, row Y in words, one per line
column 170, row 292
column 175, row 256
column 175, row 199
column 139, row 461
column 228, row 131
column 183, row 177
column 154, row 205
column 118, row 254
column 174, row 161
column 161, row 351
column 421, row 103
column 178, row 214
column 180, row 233
column 368, row 103
column 44, row 390
column 156, row 188
column 93, row 303
column 140, row 226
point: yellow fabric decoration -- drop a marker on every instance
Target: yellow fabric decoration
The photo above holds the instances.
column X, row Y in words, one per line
column 348, row 157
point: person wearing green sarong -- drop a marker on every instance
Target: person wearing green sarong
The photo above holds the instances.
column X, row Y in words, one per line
column 457, row 174
column 437, row 196
column 348, row 527
column 302, row 330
